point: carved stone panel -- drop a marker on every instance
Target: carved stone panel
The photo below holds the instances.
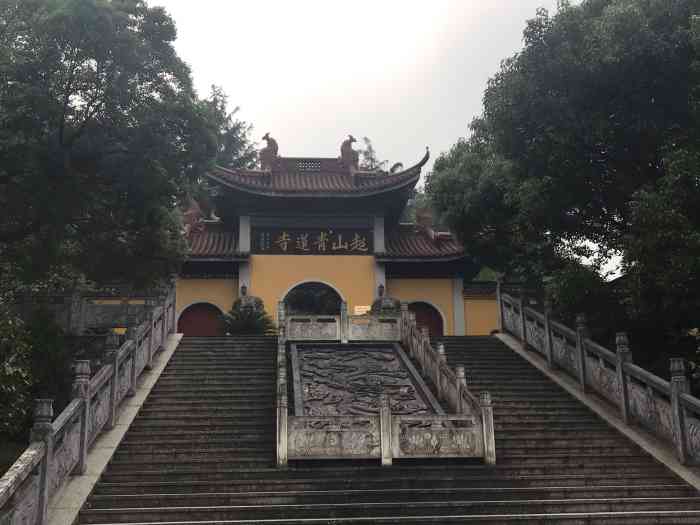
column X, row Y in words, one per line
column 511, row 320
column 66, row 453
column 313, row 329
column 99, row 412
column 436, row 438
column 333, row 437
column 564, row 354
column 27, row 499
column 535, row 335
column 349, row 381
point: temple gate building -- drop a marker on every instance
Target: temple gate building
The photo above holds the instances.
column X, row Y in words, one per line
column 322, row 223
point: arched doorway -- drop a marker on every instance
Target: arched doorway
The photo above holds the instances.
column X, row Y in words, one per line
column 201, row 320
column 428, row 316
column 313, row 298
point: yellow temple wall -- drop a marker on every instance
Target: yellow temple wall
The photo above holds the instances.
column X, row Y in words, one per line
column 480, row 315
column 272, row 276
column 219, row 292
column 437, row 292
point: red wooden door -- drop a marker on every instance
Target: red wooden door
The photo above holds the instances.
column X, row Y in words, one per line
column 428, row 316
column 200, row 320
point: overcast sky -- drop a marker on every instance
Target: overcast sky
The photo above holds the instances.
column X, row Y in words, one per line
column 407, row 74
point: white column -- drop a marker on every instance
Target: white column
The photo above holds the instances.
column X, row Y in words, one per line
column 458, row 306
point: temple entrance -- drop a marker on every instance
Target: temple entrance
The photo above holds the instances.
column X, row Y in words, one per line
column 313, row 298
column 201, row 320
column 428, row 316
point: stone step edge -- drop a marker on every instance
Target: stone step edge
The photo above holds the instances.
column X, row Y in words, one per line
column 403, row 504
column 341, row 492
column 432, row 518
column 645, row 440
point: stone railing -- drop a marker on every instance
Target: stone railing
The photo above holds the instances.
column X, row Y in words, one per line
column 665, row 409
column 450, row 385
column 343, row 327
column 469, row 432
column 59, row 449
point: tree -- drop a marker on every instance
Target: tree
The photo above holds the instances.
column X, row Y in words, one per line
column 101, row 134
column 588, row 147
column 247, row 316
column 368, row 157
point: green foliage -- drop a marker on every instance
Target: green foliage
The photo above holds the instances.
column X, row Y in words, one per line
column 15, row 377
column 101, row 134
column 248, row 317
column 588, row 147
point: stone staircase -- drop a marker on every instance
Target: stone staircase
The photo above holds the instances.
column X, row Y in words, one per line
column 202, row 451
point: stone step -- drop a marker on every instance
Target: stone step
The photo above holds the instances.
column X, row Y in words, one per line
column 201, row 472
column 422, row 507
column 203, row 499
column 315, row 481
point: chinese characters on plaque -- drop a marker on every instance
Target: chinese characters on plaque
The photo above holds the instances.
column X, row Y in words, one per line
column 312, row 241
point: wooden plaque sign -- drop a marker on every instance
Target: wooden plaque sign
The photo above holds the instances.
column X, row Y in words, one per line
column 312, row 241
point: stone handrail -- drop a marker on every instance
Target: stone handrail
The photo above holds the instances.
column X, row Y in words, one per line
column 664, row 408
column 59, row 449
column 451, row 386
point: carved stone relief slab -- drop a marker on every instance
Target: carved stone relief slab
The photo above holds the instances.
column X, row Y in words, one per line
column 341, row 382
column 336, row 437
column 693, row 435
column 431, row 438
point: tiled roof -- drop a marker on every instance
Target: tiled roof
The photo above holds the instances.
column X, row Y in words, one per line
column 407, row 241
column 315, row 176
column 412, row 241
column 212, row 244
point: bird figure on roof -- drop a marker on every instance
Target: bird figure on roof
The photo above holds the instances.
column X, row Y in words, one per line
column 349, row 156
column 269, row 153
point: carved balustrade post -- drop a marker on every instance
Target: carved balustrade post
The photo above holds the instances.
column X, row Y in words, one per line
column 499, row 302
column 112, row 357
column 404, row 324
column 489, row 432
column 81, row 390
column 43, row 431
column 548, row 347
column 150, row 350
column 131, row 334
column 461, row 386
column 282, row 414
column 424, row 344
column 385, row 429
column 679, row 385
column 344, row 322
column 442, row 361
column 624, row 355
column 581, row 335
column 523, row 328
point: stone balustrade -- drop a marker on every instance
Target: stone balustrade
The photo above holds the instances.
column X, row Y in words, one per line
column 468, row 432
column 58, row 448
column 343, row 327
column 665, row 409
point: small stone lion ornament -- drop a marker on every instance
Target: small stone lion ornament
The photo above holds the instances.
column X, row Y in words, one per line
column 349, row 156
column 385, row 305
column 269, row 153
